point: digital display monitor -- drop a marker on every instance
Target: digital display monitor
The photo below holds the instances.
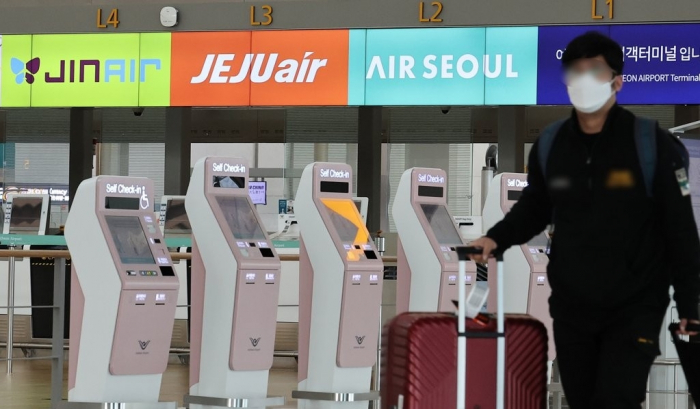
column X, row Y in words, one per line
column 430, row 191
column 25, row 216
column 122, row 203
column 346, row 220
column 514, row 194
column 441, row 223
column 240, row 217
column 176, row 220
column 230, row 182
column 129, row 239
column 335, row 187
column 258, row 192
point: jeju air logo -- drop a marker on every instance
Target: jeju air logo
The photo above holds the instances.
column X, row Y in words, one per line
column 215, row 69
column 25, row 71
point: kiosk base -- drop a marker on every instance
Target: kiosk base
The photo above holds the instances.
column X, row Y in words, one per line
column 233, row 402
column 336, row 396
column 118, row 405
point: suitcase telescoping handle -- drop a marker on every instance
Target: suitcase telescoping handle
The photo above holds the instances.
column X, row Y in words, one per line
column 463, row 254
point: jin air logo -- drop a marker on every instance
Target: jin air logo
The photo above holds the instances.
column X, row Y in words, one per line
column 360, row 340
column 25, row 72
column 255, row 341
column 144, row 344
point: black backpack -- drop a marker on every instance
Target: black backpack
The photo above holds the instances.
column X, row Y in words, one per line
column 645, row 139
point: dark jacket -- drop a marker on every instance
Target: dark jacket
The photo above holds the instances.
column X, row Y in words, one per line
column 614, row 248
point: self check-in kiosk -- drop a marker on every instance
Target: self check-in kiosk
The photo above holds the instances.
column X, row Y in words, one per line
column 175, row 224
column 427, row 266
column 123, row 297
column 235, row 287
column 340, row 284
column 525, row 270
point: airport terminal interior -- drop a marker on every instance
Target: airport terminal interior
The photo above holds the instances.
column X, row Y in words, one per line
column 207, row 213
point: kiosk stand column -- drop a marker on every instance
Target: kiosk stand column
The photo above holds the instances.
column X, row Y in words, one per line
column 123, row 296
column 340, row 282
column 235, row 289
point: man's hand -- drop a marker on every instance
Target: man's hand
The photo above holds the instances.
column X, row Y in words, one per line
column 683, row 324
column 488, row 247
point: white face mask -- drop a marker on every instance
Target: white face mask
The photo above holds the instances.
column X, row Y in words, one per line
column 588, row 95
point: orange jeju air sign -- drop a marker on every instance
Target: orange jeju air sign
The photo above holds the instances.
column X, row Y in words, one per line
column 260, row 68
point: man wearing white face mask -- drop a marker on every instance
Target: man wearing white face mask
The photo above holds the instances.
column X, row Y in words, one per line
column 615, row 186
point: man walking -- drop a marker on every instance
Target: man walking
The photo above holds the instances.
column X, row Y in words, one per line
column 623, row 234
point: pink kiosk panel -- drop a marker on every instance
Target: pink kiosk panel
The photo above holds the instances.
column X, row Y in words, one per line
column 258, row 275
column 429, row 201
column 149, row 286
column 363, row 273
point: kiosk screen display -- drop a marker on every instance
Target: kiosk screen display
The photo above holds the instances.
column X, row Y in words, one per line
column 129, row 239
column 540, row 240
column 240, row 218
column 231, row 182
column 346, row 220
column 514, row 194
column 26, row 214
column 176, row 220
column 441, row 223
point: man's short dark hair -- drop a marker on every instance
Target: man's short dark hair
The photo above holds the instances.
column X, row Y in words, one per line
column 593, row 44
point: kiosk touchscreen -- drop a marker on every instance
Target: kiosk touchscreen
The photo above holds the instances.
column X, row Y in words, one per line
column 25, row 214
column 235, row 287
column 340, row 284
column 526, row 288
column 175, row 224
column 123, row 295
column 427, row 265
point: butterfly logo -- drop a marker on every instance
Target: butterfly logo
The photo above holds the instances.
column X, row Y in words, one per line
column 360, row 340
column 255, row 341
column 144, row 345
column 25, row 72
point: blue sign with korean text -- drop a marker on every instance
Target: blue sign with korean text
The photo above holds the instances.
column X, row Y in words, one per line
column 551, row 45
column 662, row 63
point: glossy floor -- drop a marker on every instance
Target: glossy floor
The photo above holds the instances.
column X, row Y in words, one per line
column 29, row 386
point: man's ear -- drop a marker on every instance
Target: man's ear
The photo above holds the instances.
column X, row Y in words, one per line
column 617, row 83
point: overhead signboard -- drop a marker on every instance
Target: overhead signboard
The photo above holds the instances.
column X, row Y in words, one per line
column 260, row 68
column 551, row 43
column 662, row 63
column 430, row 66
column 85, row 70
column 451, row 66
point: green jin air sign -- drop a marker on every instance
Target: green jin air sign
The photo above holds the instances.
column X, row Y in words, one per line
column 85, row 70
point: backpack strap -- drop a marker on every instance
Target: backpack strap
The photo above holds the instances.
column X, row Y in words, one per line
column 645, row 139
column 545, row 142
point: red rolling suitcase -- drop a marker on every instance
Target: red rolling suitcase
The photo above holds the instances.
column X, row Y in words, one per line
column 420, row 360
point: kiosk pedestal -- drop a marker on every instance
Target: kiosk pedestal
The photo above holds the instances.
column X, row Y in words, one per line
column 340, row 282
column 123, row 296
column 235, row 287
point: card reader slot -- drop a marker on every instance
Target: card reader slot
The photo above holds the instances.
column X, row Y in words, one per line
column 266, row 252
column 167, row 271
column 371, row 255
